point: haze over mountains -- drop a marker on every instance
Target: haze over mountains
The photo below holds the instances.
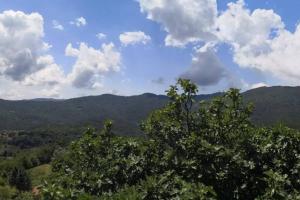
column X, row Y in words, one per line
column 272, row 105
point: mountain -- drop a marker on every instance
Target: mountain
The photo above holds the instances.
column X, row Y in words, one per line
column 275, row 105
column 126, row 112
column 272, row 105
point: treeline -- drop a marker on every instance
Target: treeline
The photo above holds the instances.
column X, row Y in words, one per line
column 192, row 150
column 23, row 157
column 27, row 159
column 15, row 140
column 15, row 181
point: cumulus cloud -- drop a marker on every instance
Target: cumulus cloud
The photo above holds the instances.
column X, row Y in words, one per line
column 57, row 25
column 80, row 21
column 283, row 58
column 247, row 30
column 206, row 69
column 260, row 41
column 250, row 33
column 20, row 43
column 23, row 53
column 191, row 21
column 92, row 64
column 258, row 38
column 101, row 36
column 52, row 75
column 131, row 38
column 184, row 20
column 27, row 70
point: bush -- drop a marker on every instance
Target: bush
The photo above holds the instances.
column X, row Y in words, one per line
column 7, row 193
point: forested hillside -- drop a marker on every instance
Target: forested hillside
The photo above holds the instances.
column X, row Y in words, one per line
column 272, row 105
column 275, row 104
column 192, row 149
column 61, row 115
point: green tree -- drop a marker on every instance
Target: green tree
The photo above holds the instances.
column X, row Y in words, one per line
column 192, row 150
column 20, row 179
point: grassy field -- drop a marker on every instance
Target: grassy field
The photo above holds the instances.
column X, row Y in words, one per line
column 39, row 173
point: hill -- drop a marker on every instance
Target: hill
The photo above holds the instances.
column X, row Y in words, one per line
column 275, row 105
column 272, row 105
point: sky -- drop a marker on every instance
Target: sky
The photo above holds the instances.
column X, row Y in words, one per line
column 66, row 49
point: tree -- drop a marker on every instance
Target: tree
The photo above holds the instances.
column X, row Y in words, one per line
column 205, row 150
column 20, row 179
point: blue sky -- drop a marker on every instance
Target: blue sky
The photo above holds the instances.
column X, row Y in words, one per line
column 151, row 65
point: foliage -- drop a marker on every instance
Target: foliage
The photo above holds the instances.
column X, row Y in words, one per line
column 39, row 174
column 20, row 179
column 7, row 193
column 26, row 159
column 206, row 150
column 25, row 196
column 165, row 186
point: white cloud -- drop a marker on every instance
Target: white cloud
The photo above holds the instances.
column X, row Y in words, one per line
column 23, row 53
column 247, row 30
column 260, row 41
column 92, row 64
column 20, row 43
column 258, row 38
column 52, row 75
column 97, row 85
column 282, row 59
column 57, row 25
column 26, row 68
column 184, row 20
column 258, row 85
column 14, row 90
column 101, row 36
column 131, row 38
column 80, row 21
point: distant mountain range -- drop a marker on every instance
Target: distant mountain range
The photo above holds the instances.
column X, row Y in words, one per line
column 272, row 105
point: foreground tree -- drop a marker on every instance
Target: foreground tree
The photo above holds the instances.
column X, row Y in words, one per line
column 206, row 150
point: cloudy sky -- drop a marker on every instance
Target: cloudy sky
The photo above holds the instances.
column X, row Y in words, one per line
column 64, row 48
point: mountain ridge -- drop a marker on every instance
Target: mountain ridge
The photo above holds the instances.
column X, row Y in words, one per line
column 272, row 105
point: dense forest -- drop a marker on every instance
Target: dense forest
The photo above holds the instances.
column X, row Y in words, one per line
column 191, row 149
column 70, row 116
